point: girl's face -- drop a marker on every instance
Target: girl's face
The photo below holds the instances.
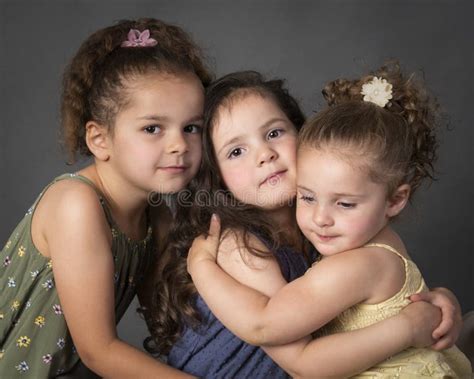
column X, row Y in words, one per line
column 156, row 143
column 338, row 208
column 255, row 146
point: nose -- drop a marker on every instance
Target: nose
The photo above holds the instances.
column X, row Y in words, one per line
column 322, row 216
column 176, row 143
column 266, row 154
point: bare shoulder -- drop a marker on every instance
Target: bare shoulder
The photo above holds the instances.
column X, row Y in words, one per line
column 261, row 273
column 65, row 206
column 365, row 261
column 381, row 272
column 232, row 250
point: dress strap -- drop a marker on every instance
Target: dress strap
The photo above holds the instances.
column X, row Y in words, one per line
column 386, row 247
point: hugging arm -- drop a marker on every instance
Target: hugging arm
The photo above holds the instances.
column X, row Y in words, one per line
column 343, row 354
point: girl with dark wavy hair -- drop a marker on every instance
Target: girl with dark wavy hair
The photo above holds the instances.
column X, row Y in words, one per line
column 248, row 179
column 359, row 163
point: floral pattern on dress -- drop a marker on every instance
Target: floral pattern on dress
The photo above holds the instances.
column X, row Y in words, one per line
column 47, row 358
column 48, row 284
column 21, row 251
column 38, row 343
column 7, row 261
column 57, row 309
column 40, row 321
column 15, row 305
column 22, row 367
column 23, row 341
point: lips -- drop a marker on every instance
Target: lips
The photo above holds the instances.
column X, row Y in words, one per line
column 325, row 238
column 175, row 169
column 274, row 177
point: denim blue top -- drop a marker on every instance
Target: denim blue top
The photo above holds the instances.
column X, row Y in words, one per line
column 212, row 351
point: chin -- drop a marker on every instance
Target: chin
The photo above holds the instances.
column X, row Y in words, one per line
column 168, row 190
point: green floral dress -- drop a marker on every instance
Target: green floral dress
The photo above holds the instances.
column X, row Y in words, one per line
column 34, row 338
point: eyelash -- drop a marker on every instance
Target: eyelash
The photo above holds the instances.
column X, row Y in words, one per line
column 232, row 155
column 148, row 128
column 280, row 132
column 191, row 129
column 346, row 205
column 196, row 129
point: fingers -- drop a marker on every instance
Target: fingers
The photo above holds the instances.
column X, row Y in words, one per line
column 422, row 296
column 214, row 227
column 443, row 343
column 444, row 327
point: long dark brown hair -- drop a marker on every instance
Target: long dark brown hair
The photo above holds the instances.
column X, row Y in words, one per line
column 174, row 293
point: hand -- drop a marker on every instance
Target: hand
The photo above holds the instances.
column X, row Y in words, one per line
column 423, row 319
column 448, row 330
column 204, row 248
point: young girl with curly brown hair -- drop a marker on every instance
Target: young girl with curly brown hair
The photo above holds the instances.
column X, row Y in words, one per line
column 132, row 100
column 359, row 162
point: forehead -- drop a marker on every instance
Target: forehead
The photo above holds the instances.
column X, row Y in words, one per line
column 244, row 114
column 166, row 90
column 334, row 169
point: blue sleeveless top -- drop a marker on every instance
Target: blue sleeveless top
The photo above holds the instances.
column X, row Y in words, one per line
column 212, row 351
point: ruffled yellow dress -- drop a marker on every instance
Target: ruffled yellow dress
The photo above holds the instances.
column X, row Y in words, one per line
column 412, row 362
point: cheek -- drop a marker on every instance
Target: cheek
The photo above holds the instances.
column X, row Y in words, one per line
column 290, row 153
column 361, row 225
column 195, row 146
column 236, row 178
column 303, row 218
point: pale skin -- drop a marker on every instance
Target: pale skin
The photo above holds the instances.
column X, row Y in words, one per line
column 238, row 287
column 155, row 145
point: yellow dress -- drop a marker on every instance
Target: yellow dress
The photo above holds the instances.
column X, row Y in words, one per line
column 412, row 362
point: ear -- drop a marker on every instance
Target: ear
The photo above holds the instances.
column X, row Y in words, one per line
column 398, row 200
column 98, row 140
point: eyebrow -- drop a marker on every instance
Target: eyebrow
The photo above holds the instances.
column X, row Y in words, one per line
column 165, row 118
column 335, row 194
column 263, row 126
column 304, row 188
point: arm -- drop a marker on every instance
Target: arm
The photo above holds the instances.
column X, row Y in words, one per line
column 79, row 242
column 306, row 303
column 347, row 354
column 343, row 354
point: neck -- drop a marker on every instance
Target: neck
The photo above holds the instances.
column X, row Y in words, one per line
column 389, row 236
column 127, row 203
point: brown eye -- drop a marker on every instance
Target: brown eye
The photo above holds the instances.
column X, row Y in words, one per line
column 193, row 129
column 152, row 129
column 275, row 133
column 235, row 153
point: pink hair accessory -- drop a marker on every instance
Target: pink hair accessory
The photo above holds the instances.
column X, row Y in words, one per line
column 136, row 38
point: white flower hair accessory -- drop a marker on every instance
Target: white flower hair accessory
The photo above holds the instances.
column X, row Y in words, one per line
column 377, row 91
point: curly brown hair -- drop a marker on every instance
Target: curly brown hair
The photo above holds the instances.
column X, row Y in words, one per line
column 174, row 293
column 399, row 140
column 95, row 79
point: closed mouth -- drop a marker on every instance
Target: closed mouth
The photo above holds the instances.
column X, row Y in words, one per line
column 274, row 177
column 174, row 169
column 324, row 238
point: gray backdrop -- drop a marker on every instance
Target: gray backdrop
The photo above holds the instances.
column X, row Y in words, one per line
column 306, row 42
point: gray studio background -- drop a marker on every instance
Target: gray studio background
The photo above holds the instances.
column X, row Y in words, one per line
column 306, row 42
